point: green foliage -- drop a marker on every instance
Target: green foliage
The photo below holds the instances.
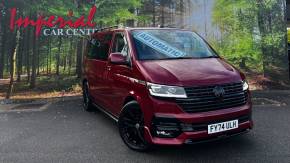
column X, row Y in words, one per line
column 245, row 34
column 236, row 21
column 111, row 12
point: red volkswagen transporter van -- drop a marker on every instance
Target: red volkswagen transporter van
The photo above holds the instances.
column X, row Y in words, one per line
column 164, row 86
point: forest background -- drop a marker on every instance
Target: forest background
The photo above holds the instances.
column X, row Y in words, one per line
column 251, row 34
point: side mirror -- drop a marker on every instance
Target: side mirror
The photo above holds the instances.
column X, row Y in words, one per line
column 118, row 59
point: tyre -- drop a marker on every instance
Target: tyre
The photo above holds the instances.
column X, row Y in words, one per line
column 87, row 102
column 131, row 127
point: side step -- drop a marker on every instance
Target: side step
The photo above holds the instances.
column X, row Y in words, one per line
column 106, row 112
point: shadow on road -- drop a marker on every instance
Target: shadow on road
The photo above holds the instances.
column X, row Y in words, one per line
column 236, row 144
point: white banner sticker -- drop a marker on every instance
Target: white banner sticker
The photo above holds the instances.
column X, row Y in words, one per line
column 159, row 45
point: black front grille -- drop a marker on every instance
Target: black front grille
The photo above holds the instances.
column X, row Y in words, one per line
column 203, row 98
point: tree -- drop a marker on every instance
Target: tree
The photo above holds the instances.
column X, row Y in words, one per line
column 70, row 56
column 13, row 65
column 34, row 58
column 27, row 53
column 58, row 55
column 236, row 21
column 270, row 19
column 112, row 12
column 253, row 35
column 20, row 56
column 3, row 42
column 79, row 58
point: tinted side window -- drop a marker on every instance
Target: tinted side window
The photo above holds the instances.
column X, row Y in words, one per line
column 99, row 47
column 120, row 44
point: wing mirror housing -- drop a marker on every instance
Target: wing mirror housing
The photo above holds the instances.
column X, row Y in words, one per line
column 118, row 59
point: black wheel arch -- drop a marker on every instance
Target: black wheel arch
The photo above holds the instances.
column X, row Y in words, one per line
column 128, row 99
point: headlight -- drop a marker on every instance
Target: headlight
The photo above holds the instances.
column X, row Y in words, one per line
column 245, row 86
column 166, row 91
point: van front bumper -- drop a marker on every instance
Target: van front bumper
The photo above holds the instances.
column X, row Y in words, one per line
column 198, row 136
column 185, row 128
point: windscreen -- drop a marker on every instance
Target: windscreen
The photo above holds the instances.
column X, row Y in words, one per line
column 170, row 44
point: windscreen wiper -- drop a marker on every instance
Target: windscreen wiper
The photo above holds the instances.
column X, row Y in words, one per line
column 175, row 58
column 210, row 57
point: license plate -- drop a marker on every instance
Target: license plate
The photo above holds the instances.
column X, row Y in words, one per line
column 223, row 126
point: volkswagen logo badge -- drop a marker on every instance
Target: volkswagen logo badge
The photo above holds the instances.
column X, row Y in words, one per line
column 219, row 92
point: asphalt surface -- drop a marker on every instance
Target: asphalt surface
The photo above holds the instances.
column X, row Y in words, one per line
column 63, row 132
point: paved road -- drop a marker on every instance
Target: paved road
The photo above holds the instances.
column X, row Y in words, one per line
column 65, row 133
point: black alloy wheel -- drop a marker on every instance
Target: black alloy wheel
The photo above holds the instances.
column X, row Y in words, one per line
column 131, row 127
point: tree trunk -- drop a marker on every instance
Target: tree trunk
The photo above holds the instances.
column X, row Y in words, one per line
column 153, row 13
column 34, row 62
column 242, row 64
column 58, row 56
column 20, row 57
column 162, row 15
column 64, row 59
column 181, row 5
column 70, row 56
column 263, row 31
column 205, row 21
column 47, row 56
column 79, row 59
column 12, row 66
column 50, row 57
column 28, row 41
column 3, row 47
column 64, row 63
column 38, row 55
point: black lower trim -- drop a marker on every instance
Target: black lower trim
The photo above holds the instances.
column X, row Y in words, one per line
column 115, row 118
column 216, row 138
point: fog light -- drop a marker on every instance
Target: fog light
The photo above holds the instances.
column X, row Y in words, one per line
column 163, row 133
column 164, row 127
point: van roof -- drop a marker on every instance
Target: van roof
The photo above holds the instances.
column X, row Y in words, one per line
column 115, row 28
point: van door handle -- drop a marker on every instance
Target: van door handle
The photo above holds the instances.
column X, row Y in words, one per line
column 109, row 68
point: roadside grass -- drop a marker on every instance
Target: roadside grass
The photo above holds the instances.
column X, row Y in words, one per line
column 46, row 87
column 276, row 79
